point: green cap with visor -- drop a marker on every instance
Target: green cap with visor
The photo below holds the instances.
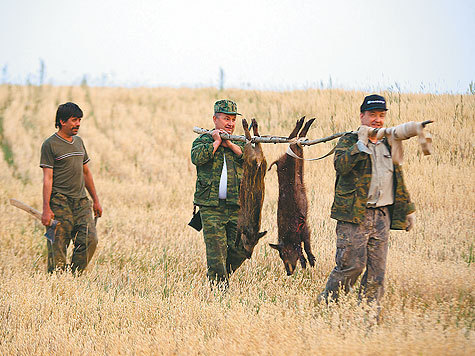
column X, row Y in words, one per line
column 226, row 107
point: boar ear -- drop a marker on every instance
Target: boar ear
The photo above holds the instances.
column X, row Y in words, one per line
column 246, row 130
column 261, row 234
column 277, row 247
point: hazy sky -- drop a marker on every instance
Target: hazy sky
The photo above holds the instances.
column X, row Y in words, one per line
column 280, row 44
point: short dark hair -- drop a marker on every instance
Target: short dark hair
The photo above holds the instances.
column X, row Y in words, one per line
column 66, row 111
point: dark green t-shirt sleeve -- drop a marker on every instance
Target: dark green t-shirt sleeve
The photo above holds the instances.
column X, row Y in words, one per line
column 47, row 157
column 86, row 157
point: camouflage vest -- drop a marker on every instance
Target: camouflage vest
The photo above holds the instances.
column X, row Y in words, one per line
column 209, row 168
column 353, row 178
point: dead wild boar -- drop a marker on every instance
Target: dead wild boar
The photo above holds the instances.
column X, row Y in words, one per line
column 251, row 195
column 292, row 206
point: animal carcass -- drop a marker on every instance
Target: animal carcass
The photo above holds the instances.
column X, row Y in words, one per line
column 251, row 195
column 292, row 206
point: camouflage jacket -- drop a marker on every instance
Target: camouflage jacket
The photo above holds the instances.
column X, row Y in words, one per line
column 209, row 168
column 353, row 178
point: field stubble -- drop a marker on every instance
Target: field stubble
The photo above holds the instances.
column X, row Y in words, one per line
column 145, row 291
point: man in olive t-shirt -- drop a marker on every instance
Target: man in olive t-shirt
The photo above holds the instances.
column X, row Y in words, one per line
column 65, row 176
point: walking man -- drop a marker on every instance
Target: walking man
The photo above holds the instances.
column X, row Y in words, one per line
column 65, row 175
column 219, row 169
column 370, row 199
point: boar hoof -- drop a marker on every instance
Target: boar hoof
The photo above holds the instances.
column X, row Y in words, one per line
column 311, row 260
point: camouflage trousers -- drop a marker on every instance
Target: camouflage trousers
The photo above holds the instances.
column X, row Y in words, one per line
column 77, row 225
column 219, row 230
column 361, row 246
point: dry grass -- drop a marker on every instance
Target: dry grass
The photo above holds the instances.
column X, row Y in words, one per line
column 145, row 291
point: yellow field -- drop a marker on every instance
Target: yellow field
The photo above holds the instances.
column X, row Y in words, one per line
column 145, row 292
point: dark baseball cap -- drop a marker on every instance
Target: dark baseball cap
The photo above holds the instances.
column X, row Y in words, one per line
column 373, row 102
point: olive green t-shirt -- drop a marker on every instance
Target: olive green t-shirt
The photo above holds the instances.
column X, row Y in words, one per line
column 67, row 160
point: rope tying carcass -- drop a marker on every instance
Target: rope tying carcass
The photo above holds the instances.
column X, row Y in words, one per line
column 299, row 142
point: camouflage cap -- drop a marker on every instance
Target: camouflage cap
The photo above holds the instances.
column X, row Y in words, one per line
column 226, row 107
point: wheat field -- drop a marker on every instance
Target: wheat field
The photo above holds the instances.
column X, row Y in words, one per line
column 146, row 292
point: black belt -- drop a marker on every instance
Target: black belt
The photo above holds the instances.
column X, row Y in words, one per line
column 380, row 208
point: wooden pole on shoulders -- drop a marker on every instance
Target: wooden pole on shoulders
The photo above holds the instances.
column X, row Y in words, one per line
column 268, row 139
column 279, row 139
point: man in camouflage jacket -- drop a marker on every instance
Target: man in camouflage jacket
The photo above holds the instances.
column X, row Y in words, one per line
column 370, row 199
column 219, row 169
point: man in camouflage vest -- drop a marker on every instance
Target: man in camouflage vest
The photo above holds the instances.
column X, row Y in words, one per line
column 219, row 169
column 65, row 175
column 370, row 199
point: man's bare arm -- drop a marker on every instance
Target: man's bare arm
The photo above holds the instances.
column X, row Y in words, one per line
column 235, row 148
column 48, row 214
column 89, row 181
